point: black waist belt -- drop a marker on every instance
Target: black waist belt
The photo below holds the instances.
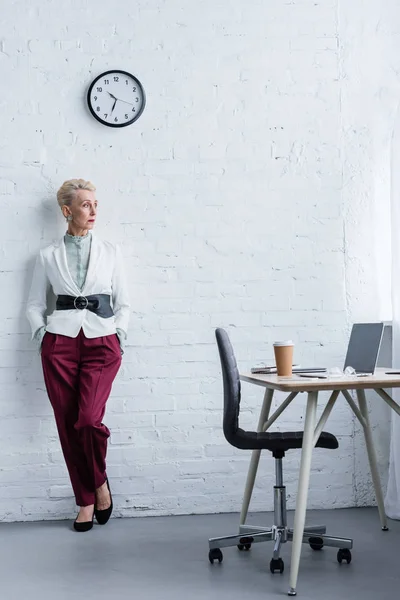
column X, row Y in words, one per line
column 98, row 304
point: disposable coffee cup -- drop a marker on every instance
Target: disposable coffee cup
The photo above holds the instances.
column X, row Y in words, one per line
column 284, row 357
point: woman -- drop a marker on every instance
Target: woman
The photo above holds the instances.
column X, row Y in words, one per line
column 81, row 343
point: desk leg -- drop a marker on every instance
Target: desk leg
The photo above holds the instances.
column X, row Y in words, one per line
column 362, row 402
column 302, row 492
column 255, row 457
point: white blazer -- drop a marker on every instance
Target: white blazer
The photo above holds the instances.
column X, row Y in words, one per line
column 105, row 276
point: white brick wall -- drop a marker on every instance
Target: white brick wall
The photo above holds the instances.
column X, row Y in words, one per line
column 227, row 196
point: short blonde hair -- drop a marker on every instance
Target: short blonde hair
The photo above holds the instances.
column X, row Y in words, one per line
column 68, row 190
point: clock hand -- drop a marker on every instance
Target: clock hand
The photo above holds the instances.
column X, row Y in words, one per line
column 112, row 96
column 130, row 103
column 115, row 102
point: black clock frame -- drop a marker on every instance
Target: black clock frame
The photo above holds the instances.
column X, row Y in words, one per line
column 116, row 124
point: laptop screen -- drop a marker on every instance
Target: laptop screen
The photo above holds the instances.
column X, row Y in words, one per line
column 363, row 348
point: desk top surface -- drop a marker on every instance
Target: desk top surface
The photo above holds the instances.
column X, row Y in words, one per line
column 295, row 383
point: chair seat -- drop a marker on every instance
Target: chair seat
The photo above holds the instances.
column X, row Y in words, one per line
column 280, row 441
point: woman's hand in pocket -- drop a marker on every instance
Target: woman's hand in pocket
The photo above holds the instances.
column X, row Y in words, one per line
column 121, row 337
column 38, row 337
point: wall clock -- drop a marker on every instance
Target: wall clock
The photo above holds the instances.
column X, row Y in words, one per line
column 116, row 98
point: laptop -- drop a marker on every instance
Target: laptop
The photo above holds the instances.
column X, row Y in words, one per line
column 362, row 350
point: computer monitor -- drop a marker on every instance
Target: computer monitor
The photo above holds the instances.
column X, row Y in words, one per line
column 363, row 348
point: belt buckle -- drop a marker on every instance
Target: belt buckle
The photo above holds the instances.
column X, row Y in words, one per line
column 78, row 302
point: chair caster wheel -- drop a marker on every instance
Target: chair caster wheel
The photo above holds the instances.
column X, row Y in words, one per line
column 344, row 554
column 245, row 542
column 276, row 564
column 244, row 546
column 215, row 554
column 316, row 543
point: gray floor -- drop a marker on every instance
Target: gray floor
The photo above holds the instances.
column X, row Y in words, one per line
column 167, row 557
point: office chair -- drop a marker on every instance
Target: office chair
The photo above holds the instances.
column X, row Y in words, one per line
column 278, row 443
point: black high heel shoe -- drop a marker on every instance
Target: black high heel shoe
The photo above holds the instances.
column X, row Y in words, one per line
column 83, row 526
column 102, row 516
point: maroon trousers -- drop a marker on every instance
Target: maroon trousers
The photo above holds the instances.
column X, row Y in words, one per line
column 79, row 373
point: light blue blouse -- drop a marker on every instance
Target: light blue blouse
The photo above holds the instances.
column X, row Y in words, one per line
column 78, row 254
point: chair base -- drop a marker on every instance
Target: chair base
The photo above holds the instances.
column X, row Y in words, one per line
column 315, row 536
column 280, row 534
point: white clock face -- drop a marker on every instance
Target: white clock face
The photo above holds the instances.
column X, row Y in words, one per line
column 116, row 98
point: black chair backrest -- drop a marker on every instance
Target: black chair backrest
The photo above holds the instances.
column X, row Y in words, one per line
column 276, row 442
column 231, row 380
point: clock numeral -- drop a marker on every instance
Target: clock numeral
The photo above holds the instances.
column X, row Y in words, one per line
column 106, row 81
column 95, row 97
column 105, row 115
column 116, row 78
column 126, row 82
column 136, row 99
column 99, row 89
column 126, row 116
column 133, row 109
column 98, row 108
column 116, row 119
column 134, row 89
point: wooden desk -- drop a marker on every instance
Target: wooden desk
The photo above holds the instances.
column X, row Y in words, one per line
column 312, row 430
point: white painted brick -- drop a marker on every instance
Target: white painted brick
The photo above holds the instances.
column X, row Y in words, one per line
column 130, row 420
column 69, row 45
column 157, row 471
column 181, row 452
column 8, row 376
column 42, row 46
column 166, row 387
column 222, row 450
column 135, row 388
column 241, row 319
column 183, row 486
column 173, row 435
column 152, row 403
column 7, row 187
column 92, row 45
column 205, row 467
column 188, row 337
column 274, row 302
column 32, row 509
column 133, row 436
column 131, row 485
column 115, row 405
column 306, row 302
column 10, row 156
column 127, row 456
column 13, row 45
column 22, row 491
column 214, row 435
column 60, row 491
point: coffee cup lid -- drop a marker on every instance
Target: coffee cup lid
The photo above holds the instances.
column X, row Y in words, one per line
column 287, row 343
